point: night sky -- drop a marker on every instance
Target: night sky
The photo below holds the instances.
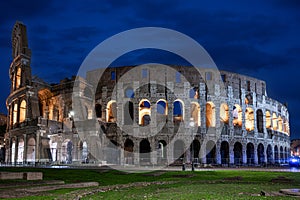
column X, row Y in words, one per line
column 256, row 38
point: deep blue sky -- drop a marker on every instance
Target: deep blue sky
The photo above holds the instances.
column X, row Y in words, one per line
column 256, row 38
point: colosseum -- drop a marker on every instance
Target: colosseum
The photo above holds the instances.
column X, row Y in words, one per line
column 141, row 115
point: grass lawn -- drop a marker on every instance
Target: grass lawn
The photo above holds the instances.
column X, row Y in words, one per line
column 221, row 184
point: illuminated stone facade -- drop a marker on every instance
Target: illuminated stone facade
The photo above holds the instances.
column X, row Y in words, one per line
column 229, row 117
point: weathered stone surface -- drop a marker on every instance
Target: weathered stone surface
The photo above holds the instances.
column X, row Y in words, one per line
column 33, row 175
column 11, row 175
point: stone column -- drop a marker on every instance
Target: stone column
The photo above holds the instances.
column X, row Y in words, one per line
column 255, row 155
column 136, row 150
column 218, row 151
column 25, row 149
column 203, row 153
column 244, row 153
column 231, row 154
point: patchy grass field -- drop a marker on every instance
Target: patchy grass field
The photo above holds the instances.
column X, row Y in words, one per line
column 221, row 184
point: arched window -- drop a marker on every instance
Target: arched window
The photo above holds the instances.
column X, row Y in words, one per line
column 162, row 107
column 268, row 120
column 111, row 111
column 237, row 115
column 128, row 113
column 224, row 113
column 195, row 113
column 22, row 111
column 98, row 109
column 178, row 111
column 274, row 121
column 260, row 121
column 20, row 150
column 249, row 119
column 129, row 93
column 18, row 78
column 210, row 114
column 144, row 112
column 15, row 113
column 280, row 124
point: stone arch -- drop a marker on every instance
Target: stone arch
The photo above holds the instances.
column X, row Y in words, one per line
column 268, row 120
column 260, row 121
column 260, row 153
column 85, row 152
column 224, row 150
column 128, row 113
column 237, row 115
column 210, row 152
column 128, row 152
column 144, row 112
column 13, row 151
column 22, row 115
column 178, row 151
column 113, row 153
column 145, row 150
column 224, row 113
column 15, row 113
column 162, row 152
column 31, row 145
column 195, row 150
column 210, row 114
column 280, row 128
column 178, row 111
column 196, row 113
column 249, row 119
column 53, row 149
column 285, row 155
column 250, row 153
column 274, row 121
column 238, row 153
column 281, row 154
column 98, row 110
column 66, row 151
column 111, row 111
column 162, row 107
column 20, row 158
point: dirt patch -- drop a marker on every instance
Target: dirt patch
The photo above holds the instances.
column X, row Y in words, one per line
column 183, row 175
column 282, row 179
column 79, row 194
column 235, row 178
column 155, row 174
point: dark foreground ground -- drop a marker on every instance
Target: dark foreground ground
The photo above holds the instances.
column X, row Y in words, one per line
column 212, row 183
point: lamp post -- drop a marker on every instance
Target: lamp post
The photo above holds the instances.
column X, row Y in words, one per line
column 192, row 124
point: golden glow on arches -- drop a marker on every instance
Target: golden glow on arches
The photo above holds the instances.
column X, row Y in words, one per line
column 224, row 113
column 23, row 111
column 274, row 121
column 18, row 78
column 15, row 113
column 268, row 120
column 195, row 113
column 143, row 111
column 237, row 116
column 210, row 114
column 179, row 118
column 280, row 128
column 111, row 111
column 249, row 119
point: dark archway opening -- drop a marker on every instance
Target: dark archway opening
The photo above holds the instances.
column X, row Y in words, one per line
column 145, row 150
column 210, row 152
column 238, row 153
column 260, row 154
column 224, row 152
column 250, row 154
